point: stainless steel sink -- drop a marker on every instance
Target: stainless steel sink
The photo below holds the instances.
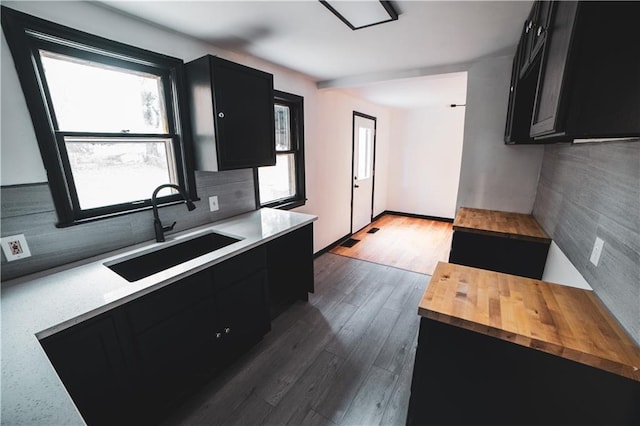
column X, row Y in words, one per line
column 149, row 263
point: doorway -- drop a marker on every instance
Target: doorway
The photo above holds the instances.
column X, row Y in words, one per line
column 363, row 170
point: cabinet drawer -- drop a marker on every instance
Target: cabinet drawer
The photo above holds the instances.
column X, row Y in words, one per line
column 239, row 266
column 168, row 301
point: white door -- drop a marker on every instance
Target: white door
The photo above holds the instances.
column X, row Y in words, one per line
column 364, row 130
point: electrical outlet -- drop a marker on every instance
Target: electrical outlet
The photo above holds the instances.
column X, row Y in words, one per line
column 15, row 247
column 213, row 203
column 597, row 251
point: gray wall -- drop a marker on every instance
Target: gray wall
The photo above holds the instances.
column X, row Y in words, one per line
column 494, row 175
column 29, row 210
column 593, row 190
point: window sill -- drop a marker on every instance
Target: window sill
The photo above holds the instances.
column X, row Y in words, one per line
column 286, row 205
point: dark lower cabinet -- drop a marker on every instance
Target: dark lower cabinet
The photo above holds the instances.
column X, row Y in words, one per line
column 132, row 364
column 290, row 259
column 464, row 377
column 90, row 360
column 242, row 296
column 499, row 253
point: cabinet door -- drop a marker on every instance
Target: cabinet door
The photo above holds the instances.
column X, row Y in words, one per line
column 290, row 260
column 177, row 353
column 173, row 334
column 541, row 27
column 243, row 313
column 245, row 126
column 547, row 112
column 521, row 96
column 527, row 41
column 90, row 362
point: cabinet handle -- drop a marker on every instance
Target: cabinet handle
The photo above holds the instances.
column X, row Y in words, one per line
column 221, row 114
column 227, row 330
column 539, row 31
column 529, row 25
column 218, row 335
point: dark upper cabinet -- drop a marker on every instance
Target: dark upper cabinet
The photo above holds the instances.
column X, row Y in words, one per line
column 587, row 75
column 232, row 116
column 533, row 36
column 547, row 113
column 521, row 98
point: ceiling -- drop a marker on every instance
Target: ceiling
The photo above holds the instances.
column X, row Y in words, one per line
column 429, row 37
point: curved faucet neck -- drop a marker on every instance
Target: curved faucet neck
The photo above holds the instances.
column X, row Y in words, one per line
column 154, row 197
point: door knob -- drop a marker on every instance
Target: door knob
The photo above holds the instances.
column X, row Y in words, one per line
column 356, row 186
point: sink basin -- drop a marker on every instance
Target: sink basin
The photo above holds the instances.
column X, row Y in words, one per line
column 149, row 263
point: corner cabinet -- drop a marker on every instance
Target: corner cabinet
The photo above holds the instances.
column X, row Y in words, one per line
column 232, row 116
column 580, row 78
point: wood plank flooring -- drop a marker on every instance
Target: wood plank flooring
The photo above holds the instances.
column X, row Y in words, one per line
column 409, row 243
column 343, row 358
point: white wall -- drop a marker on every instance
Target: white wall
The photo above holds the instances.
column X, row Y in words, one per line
column 328, row 114
column 21, row 161
column 19, row 155
column 559, row 269
column 494, row 175
column 424, row 164
column 329, row 163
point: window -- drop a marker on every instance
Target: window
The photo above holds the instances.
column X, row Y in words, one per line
column 106, row 115
column 282, row 185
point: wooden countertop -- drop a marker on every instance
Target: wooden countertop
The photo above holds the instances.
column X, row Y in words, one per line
column 557, row 319
column 505, row 224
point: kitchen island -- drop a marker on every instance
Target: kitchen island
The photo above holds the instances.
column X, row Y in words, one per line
column 41, row 305
column 495, row 348
column 508, row 242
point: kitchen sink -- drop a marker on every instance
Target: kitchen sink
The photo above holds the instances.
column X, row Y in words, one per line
column 149, row 263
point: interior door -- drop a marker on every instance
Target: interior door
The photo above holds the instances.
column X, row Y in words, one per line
column 364, row 137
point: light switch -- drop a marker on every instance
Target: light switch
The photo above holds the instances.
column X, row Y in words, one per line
column 597, row 251
column 213, row 203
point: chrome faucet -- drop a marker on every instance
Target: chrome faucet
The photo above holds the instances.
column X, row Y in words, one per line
column 157, row 224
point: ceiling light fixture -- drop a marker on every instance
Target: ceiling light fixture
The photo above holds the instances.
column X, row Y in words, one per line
column 362, row 14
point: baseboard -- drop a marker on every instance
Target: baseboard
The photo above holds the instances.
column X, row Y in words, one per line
column 331, row 246
column 417, row 216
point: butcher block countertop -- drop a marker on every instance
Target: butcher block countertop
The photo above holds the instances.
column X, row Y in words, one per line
column 504, row 224
column 565, row 321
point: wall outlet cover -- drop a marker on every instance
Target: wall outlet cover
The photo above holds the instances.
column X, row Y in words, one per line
column 597, row 251
column 213, row 203
column 15, row 247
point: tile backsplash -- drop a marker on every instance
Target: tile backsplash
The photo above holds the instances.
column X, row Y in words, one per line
column 591, row 191
column 29, row 210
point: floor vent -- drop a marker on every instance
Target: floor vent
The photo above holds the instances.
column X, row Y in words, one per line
column 373, row 230
column 350, row 242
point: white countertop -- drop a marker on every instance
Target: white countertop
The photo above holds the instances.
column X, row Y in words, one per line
column 42, row 304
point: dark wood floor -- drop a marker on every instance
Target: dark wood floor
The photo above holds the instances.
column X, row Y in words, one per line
column 344, row 358
column 414, row 244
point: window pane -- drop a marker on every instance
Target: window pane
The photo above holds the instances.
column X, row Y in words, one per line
column 92, row 97
column 112, row 171
column 365, row 144
column 278, row 181
column 283, row 126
